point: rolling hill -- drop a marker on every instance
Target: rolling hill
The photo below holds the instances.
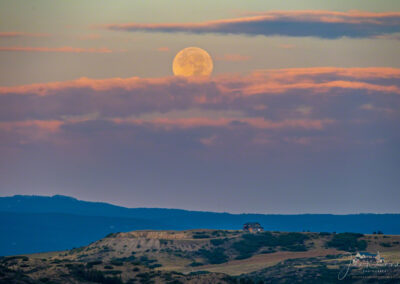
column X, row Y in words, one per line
column 209, row 256
column 41, row 223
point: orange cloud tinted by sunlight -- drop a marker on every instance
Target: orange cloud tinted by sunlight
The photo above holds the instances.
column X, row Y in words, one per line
column 100, row 84
column 272, row 81
column 275, row 81
column 271, row 87
column 95, row 84
column 369, row 72
column 65, row 49
column 274, row 102
column 48, row 125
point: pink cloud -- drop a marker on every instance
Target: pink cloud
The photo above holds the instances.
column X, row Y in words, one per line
column 272, row 81
column 99, row 84
column 277, row 99
column 48, row 125
column 276, row 87
column 30, row 131
column 362, row 73
column 316, row 80
column 266, row 108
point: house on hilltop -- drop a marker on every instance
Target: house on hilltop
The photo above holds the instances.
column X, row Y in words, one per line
column 366, row 258
column 253, row 227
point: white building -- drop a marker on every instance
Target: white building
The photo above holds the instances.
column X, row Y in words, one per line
column 366, row 258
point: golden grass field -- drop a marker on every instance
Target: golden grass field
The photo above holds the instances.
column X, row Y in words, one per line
column 260, row 261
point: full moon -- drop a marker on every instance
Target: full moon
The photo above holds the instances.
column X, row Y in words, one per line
column 192, row 61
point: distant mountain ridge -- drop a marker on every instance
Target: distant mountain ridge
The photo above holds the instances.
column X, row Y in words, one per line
column 42, row 223
column 71, row 205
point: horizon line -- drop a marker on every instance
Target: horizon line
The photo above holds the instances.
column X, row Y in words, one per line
column 189, row 210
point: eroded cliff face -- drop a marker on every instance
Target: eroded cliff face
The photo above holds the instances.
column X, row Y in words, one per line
column 124, row 245
column 166, row 235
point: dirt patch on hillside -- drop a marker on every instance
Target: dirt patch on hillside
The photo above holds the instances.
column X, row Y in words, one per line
column 237, row 267
column 166, row 235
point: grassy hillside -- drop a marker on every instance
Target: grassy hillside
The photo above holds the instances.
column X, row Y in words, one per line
column 201, row 256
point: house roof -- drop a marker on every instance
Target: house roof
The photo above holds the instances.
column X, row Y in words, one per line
column 252, row 224
column 367, row 253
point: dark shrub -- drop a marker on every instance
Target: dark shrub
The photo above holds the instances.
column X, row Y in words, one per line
column 130, row 258
column 90, row 264
column 9, row 258
column 201, row 236
column 112, row 272
column 347, row 242
column 296, row 247
column 143, row 258
column 332, row 256
column 24, row 265
column 194, row 264
column 270, row 250
column 243, row 256
column 214, row 256
column 145, row 277
column 116, row 262
column 155, row 265
column 251, row 243
column 201, row 272
column 290, row 239
column 82, row 274
column 217, row 242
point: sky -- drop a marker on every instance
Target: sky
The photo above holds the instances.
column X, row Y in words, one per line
column 300, row 115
